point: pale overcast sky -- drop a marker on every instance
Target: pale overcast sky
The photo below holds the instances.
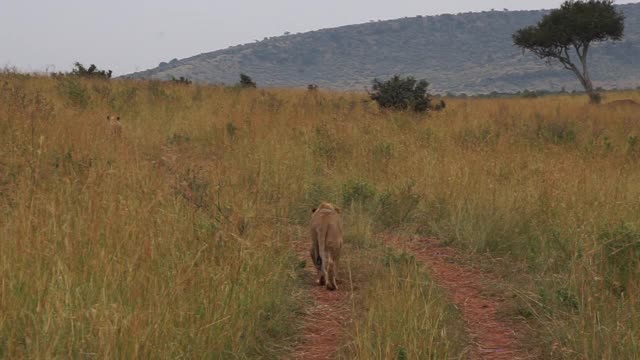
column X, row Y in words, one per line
column 131, row 35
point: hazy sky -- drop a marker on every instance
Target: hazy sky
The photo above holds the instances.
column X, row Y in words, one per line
column 131, row 35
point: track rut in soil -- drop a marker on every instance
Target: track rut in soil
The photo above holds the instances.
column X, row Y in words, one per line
column 492, row 337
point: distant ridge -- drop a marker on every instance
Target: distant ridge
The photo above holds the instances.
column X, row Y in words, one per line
column 465, row 53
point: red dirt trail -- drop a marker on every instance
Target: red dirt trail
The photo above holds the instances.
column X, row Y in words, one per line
column 492, row 338
column 326, row 319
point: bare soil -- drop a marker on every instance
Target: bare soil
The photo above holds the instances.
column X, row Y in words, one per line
column 492, row 338
column 326, row 319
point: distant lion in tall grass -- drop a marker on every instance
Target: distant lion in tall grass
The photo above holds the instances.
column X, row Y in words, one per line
column 115, row 126
column 626, row 104
column 326, row 242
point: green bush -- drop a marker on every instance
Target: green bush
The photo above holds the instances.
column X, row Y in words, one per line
column 621, row 249
column 157, row 90
column 396, row 208
column 357, row 191
column 181, row 80
column 400, row 93
column 383, row 151
column 557, row 132
column 91, row 72
column 246, row 81
column 75, row 92
column 326, row 146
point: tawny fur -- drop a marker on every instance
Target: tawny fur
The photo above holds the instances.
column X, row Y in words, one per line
column 622, row 104
column 326, row 242
column 115, row 126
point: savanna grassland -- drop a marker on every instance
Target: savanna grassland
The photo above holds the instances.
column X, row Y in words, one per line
column 176, row 239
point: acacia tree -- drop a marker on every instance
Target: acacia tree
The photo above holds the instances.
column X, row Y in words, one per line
column 572, row 29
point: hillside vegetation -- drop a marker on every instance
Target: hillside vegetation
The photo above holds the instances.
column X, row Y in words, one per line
column 177, row 238
column 470, row 53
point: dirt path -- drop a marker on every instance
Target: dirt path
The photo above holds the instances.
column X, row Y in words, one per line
column 492, row 338
column 326, row 318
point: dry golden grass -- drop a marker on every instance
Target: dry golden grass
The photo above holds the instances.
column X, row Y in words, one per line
column 134, row 246
column 175, row 239
column 400, row 312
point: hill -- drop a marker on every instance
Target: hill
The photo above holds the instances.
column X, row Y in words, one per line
column 469, row 52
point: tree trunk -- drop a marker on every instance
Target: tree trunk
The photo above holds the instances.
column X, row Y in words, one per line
column 594, row 97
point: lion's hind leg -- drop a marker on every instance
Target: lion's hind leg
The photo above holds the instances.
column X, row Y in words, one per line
column 331, row 275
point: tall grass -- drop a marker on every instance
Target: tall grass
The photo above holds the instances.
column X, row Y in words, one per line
column 136, row 246
column 175, row 239
column 402, row 314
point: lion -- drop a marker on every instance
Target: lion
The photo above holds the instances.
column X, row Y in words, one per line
column 626, row 104
column 326, row 242
column 114, row 125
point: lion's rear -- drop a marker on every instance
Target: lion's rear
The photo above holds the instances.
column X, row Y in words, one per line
column 326, row 235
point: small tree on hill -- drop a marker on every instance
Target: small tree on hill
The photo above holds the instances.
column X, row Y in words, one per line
column 246, row 81
column 401, row 93
column 571, row 29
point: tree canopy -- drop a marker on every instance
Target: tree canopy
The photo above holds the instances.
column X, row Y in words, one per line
column 572, row 28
